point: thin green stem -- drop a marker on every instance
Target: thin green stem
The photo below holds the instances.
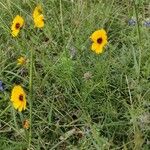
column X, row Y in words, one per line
column 138, row 22
column 31, row 96
column 135, row 124
column 15, row 121
column 61, row 17
column 139, row 35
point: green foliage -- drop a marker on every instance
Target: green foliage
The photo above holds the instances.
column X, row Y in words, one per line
column 92, row 101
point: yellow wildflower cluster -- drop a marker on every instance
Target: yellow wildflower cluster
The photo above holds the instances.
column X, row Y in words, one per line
column 18, row 21
column 18, row 95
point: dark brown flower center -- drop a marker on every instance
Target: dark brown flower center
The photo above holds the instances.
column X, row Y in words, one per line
column 99, row 40
column 21, row 97
column 17, row 25
column 39, row 11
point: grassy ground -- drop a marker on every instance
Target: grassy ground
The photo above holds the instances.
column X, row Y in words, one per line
column 80, row 100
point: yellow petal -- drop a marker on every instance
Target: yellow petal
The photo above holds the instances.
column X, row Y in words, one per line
column 39, row 21
column 98, row 34
column 16, row 104
column 20, row 108
column 37, row 11
column 15, row 33
column 97, row 48
column 21, row 61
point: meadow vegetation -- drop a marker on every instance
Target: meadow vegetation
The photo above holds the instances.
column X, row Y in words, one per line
column 76, row 99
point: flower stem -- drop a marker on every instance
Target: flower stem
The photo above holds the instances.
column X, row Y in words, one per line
column 30, row 97
column 139, row 35
column 15, row 121
column 61, row 17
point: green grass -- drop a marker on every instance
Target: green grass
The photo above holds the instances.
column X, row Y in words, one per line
column 107, row 110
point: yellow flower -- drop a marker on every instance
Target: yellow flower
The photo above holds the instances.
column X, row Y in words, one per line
column 38, row 17
column 99, row 39
column 17, row 24
column 39, row 21
column 18, row 98
column 21, row 61
column 26, row 124
column 37, row 11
